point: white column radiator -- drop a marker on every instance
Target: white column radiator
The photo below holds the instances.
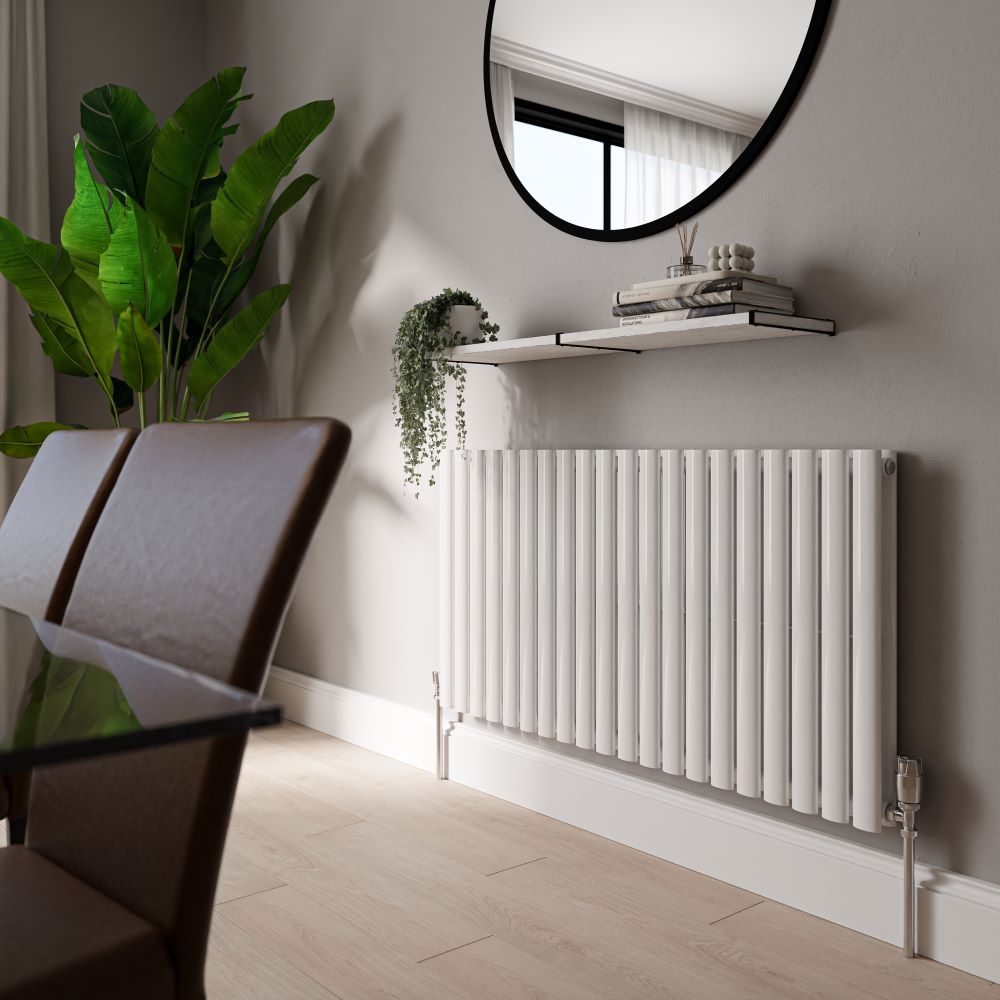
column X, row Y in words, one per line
column 725, row 615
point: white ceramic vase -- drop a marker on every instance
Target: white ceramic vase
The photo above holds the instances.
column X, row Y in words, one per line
column 465, row 323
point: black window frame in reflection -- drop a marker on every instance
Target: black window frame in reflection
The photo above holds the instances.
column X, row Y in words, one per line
column 559, row 120
column 800, row 71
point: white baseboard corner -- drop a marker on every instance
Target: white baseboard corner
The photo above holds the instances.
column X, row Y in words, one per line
column 846, row 883
column 383, row 726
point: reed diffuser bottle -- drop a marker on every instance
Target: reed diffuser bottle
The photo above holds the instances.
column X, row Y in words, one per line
column 687, row 264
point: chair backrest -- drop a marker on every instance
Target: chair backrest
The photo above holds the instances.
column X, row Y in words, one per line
column 193, row 561
column 49, row 523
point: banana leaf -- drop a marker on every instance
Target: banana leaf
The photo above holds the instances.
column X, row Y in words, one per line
column 240, row 206
column 187, row 150
column 120, row 132
column 138, row 267
column 234, row 341
column 44, row 276
column 71, row 700
column 23, row 441
column 67, row 353
column 139, row 351
column 89, row 220
column 122, row 396
column 209, row 273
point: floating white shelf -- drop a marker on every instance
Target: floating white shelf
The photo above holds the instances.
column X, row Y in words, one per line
column 753, row 325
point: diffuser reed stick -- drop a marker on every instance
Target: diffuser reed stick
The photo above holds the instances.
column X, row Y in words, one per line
column 687, row 239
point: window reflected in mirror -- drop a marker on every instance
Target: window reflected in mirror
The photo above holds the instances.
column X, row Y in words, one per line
column 615, row 117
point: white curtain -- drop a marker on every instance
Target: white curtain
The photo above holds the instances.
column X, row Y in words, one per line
column 502, row 91
column 668, row 160
column 27, row 390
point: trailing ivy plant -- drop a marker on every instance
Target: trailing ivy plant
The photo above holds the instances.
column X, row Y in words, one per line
column 421, row 375
column 142, row 293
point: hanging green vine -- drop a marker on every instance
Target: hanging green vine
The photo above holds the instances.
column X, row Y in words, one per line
column 420, row 375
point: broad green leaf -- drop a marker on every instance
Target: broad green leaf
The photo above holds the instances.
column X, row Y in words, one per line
column 187, row 149
column 37, row 270
column 139, row 351
column 208, row 272
column 44, row 276
column 120, row 133
column 89, row 220
column 229, row 417
column 138, row 266
column 240, row 205
column 234, row 341
column 24, row 441
column 122, row 395
column 71, row 700
column 67, row 353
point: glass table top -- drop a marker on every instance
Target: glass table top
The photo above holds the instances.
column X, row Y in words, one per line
column 65, row 696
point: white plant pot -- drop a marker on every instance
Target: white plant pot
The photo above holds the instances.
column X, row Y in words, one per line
column 465, row 322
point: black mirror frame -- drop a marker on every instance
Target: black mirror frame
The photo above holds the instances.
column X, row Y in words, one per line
column 741, row 164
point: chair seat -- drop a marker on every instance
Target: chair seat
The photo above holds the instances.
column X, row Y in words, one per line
column 62, row 940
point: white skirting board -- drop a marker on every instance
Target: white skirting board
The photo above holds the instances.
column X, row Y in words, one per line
column 383, row 726
column 848, row 884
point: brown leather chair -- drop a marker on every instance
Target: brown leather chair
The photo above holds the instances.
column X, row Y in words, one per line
column 42, row 540
column 192, row 561
column 50, row 521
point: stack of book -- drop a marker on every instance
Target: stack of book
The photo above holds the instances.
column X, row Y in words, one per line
column 713, row 293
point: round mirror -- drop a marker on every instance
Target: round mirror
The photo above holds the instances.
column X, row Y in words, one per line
column 616, row 119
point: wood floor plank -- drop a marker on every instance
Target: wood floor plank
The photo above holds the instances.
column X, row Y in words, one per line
column 332, row 951
column 868, row 967
column 277, row 805
column 547, row 926
column 318, row 779
column 344, row 756
column 240, row 968
column 240, row 876
column 495, row 969
column 385, row 877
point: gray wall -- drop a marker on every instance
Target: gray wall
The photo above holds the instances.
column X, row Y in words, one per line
column 160, row 53
column 877, row 201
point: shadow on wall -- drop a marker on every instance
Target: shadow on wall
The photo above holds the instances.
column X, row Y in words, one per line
column 333, row 259
column 930, row 653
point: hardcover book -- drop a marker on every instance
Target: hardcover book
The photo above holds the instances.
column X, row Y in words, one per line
column 777, row 303
column 663, row 290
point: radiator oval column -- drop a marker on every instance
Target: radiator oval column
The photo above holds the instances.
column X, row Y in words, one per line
column 494, row 586
column 866, row 600
column 696, row 722
column 510, row 585
column 584, row 601
column 672, row 627
column 628, row 608
column 775, row 630
column 748, row 631
column 446, row 581
column 835, row 596
column 649, row 608
column 723, row 676
column 565, row 563
column 547, row 594
column 805, row 634
column 527, row 615
column 604, row 613
column 477, row 585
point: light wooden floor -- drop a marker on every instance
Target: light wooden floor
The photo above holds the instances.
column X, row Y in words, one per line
column 350, row 875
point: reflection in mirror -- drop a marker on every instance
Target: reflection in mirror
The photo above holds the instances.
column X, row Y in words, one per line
column 614, row 116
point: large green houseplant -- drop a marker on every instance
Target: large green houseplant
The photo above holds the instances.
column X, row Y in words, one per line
column 143, row 294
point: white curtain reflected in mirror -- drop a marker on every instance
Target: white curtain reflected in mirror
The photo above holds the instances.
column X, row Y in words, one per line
column 616, row 115
column 502, row 91
column 669, row 160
